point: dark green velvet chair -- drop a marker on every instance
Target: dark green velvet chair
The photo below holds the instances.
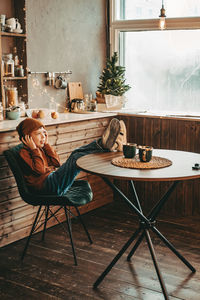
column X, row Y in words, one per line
column 79, row 194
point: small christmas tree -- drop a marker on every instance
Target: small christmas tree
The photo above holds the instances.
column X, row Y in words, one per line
column 112, row 78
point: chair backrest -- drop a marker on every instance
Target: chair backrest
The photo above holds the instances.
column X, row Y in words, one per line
column 13, row 158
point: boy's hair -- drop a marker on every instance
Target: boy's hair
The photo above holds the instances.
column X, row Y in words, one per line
column 27, row 126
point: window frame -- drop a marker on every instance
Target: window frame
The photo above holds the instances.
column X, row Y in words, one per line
column 119, row 26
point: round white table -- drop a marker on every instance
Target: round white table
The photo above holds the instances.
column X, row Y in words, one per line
column 181, row 169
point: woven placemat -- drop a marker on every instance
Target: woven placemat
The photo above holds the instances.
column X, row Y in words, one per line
column 134, row 163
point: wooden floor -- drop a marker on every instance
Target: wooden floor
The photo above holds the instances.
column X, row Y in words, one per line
column 48, row 271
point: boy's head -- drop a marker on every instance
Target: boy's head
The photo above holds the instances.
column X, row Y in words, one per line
column 27, row 126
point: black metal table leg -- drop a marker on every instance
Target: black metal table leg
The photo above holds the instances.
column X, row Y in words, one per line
column 173, row 249
column 116, row 258
column 146, row 224
column 140, row 208
column 154, row 212
column 135, row 195
column 130, row 204
column 152, row 216
column 135, row 246
column 153, row 255
column 159, row 205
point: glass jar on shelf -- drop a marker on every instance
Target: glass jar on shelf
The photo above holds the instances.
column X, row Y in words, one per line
column 2, row 67
column 11, row 96
column 22, row 107
column 86, row 102
column 1, row 112
column 9, row 68
column 20, row 72
column 15, row 56
column 17, row 65
column 93, row 105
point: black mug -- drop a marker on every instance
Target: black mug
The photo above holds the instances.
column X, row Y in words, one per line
column 129, row 150
column 145, row 153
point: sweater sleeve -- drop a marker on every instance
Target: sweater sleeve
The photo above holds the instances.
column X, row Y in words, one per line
column 34, row 160
column 52, row 156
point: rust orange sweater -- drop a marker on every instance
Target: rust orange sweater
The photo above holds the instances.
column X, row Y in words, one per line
column 37, row 164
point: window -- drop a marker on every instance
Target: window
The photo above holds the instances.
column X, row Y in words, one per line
column 163, row 67
column 146, row 9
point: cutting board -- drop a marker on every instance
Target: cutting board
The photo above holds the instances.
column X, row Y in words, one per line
column 75, row 90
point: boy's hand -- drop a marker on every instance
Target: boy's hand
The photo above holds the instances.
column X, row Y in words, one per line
column 28, row 141
column 46, row 138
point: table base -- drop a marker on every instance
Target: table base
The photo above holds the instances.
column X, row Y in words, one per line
column 145, row 225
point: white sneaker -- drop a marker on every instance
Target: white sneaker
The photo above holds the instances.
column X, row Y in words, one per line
column 110, row 134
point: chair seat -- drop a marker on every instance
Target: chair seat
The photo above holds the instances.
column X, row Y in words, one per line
column 79, row 194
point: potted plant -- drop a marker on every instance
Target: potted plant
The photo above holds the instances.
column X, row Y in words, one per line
column 112, row 82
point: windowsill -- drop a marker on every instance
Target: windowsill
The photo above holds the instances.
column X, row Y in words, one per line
column 160, row 114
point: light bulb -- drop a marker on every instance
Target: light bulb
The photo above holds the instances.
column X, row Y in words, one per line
column 162, row 23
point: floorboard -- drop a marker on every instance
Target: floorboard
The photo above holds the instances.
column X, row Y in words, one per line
column 48, row 270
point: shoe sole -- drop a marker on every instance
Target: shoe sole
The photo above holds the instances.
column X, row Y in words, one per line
column 121, row 139
column 114, row 130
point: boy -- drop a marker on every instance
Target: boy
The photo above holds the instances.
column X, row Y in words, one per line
column 40, row 160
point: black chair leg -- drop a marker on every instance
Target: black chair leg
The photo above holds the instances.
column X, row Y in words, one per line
column 31, row 232
column 70, row 234
column 45, row 221
column 83, row 224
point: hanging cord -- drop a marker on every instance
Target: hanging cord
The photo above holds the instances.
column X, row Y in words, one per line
column 107, row 28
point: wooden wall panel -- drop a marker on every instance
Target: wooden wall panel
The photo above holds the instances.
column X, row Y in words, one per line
column 165, row 134
column 16, row 216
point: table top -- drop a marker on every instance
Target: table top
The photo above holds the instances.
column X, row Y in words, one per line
column 181, row 168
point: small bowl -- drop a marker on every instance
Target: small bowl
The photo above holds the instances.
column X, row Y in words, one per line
column 17, row 30
column 13, row 115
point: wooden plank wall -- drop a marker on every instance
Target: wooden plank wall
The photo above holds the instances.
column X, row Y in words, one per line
column 175, row 134
column 16, row 216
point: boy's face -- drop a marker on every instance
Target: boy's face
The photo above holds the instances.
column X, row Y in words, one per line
column 39, row 137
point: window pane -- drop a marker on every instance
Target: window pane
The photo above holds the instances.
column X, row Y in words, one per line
column 163, row 68
column 150, row 9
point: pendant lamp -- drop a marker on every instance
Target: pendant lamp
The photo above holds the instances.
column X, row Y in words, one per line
column 162, row 21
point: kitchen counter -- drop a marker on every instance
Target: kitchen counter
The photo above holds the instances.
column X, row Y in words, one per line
column 8, row 125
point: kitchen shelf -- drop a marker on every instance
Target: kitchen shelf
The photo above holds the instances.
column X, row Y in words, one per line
column 9, row 40
column 15, row 78
column 12, row 34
